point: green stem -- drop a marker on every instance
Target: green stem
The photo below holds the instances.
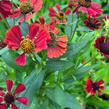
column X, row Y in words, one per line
column 74, row 30
column 5, row 21
column 13, row 12
column 88, row 61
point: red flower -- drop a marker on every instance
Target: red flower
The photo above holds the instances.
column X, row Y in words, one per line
column 92, row 23
column 28, row 45
column 26, row 8
column 10, row 97
column 92, row 87
column 102, row 45
column 56, row 46
column 86, row 6
column 60, row 15
column 5, row 7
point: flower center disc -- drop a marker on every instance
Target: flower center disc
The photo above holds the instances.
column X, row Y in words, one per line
column 60, row 15
column 9, row 98
column 27, row 46
column 96, row 86
column 26, row 7
column 53, row 39
column 85, row 3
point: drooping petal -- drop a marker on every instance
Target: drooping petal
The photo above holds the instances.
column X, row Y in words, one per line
column 9, row 85
column 14, row 106
column 88, row 82
column 23, row 100
column 64, row 21
column 42, row 21
column 3, row 106
column 20, row 88
column 21, row 59
column 2, row 93
column 68, row 11
column 52, row 12
column 101, row 82
column 88, row 89
column 41, row 41
column 16, row 13
column 14, row 37
column 33, row 29
column 102, row 87
column 1, row 99
column 93, row 92
column 100, row 92
column 58, row 7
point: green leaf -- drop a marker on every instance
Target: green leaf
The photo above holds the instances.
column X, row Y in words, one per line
column 74, row 48
column 33, row 82
column 9, row 58
column 62, row 98
column 3, row 50
column 68, row 27
column 56, row 65
column 94, row 100
column 84, row 29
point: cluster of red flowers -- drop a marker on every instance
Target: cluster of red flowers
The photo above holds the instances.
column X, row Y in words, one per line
column 44, row 36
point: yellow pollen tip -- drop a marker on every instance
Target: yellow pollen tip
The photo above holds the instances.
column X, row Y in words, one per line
column 26, row 7
column 27, row 46
column 60, row 15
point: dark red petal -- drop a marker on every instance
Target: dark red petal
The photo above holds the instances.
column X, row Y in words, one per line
column 93, row 92
column 21, row 59
column 14, row 106
column 20, row 88
column 2, row 93
column 58, row 7
column 14, row 36
column 52, row 12
column 68, row 11
column 9, row 85
column 100, row 92
column 41, row 18
column 23, row 100
column 3, row 106
column 102, row 87
column 88, row 89
column 101, row 82
column 33, row 29
column 88, row 82
column 1, row 99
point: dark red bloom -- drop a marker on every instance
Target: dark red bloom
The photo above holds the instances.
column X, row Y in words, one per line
column 102, row 45
column 92, row 23
column 86, row 6
column 60, row 15
column 5, row 7
column 92, row 87
column 26, row 8
column 10, row 97
column 29, row 44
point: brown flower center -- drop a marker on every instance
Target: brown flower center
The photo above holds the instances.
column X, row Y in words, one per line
column 104, row 48
column 85, row 3
column 9, row 98
column 96, row 86
column 53, row 39
column 27, row 46
column 60, row 15
column 26, row 7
